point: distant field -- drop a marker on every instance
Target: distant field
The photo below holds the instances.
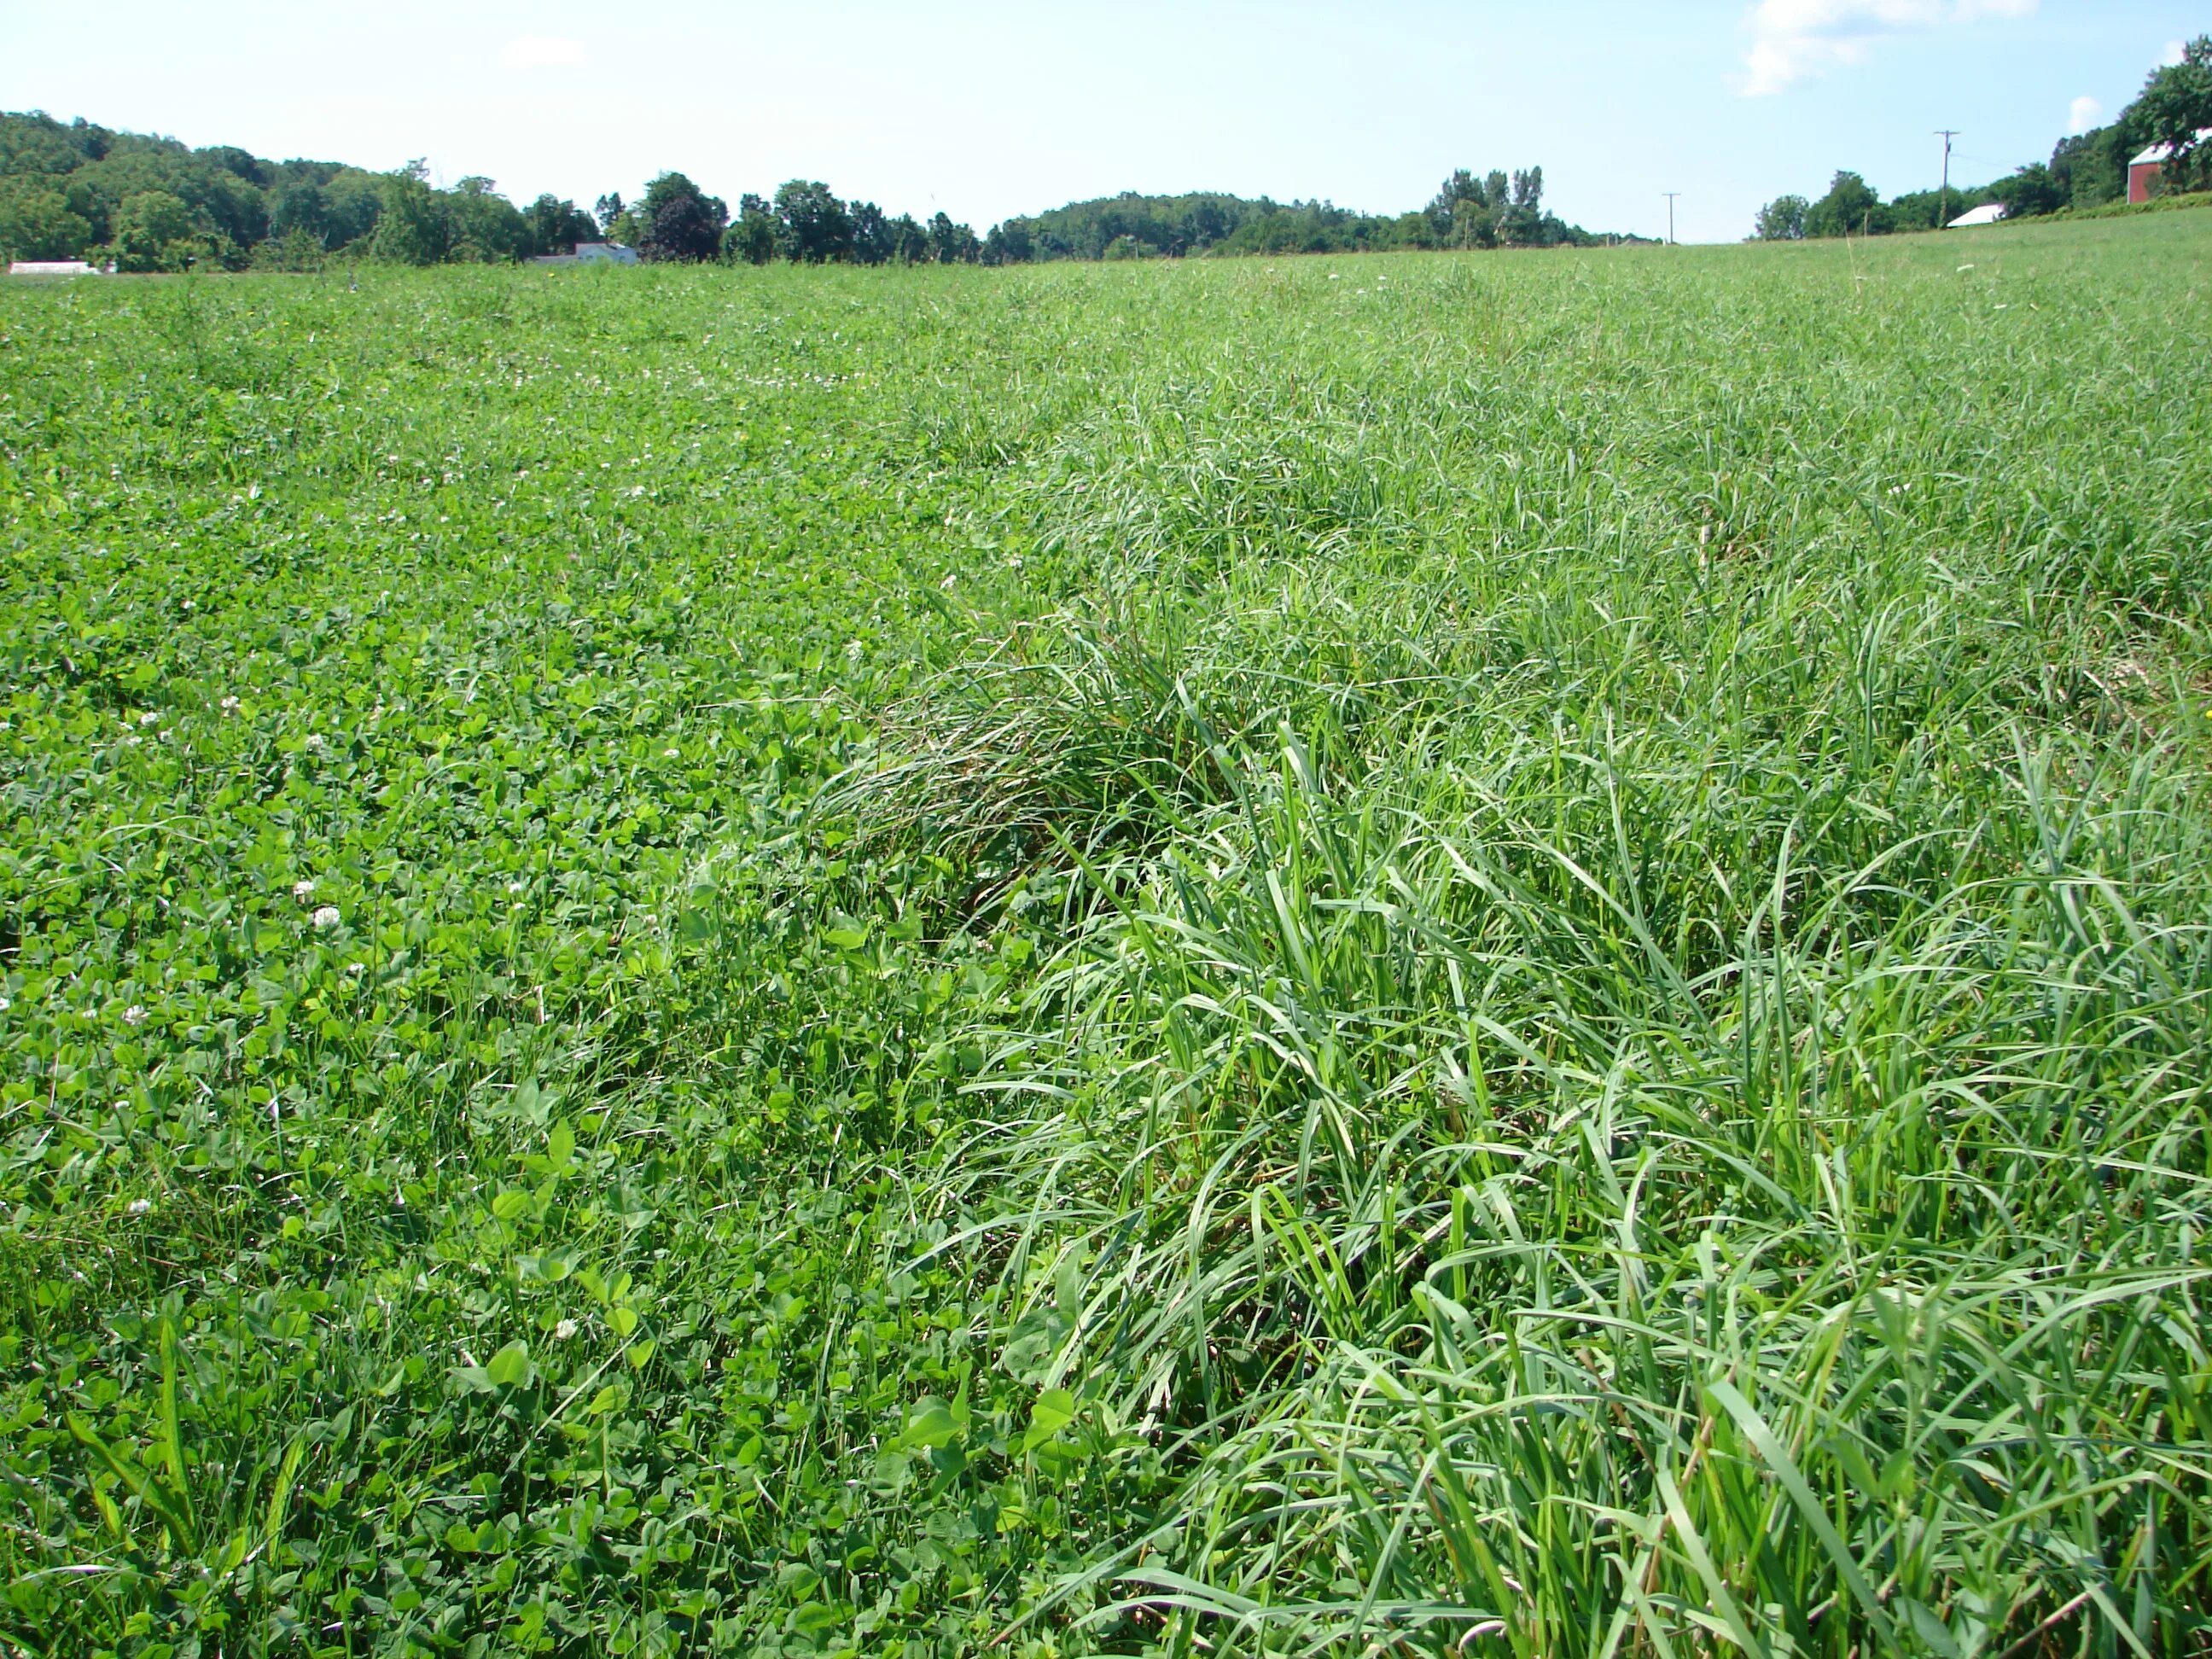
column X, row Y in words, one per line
column 1488, row 954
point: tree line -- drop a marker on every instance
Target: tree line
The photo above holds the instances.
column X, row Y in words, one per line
column 71, row 191
column 2085, row 171
column 804, row 223
column 1468, row 211
column 77, row 191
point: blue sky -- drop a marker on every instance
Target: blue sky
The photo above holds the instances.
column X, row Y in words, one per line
column 992, row 108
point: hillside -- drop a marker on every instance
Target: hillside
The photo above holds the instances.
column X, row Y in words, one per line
column 77, row 189
column 1466, row 213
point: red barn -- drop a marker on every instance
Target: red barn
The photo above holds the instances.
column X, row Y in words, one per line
column 2144, row 171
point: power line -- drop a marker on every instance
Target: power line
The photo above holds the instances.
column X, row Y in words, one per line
column 1670, row 195
column 1943, row 203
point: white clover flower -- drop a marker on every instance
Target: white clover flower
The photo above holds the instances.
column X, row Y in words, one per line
column 327, row 916
column 303, row 889
column 565, row 1330
column 229, row 705
column 855, row 651
column 516, row 886
column 314, row 740
column 134, row 1015
column 4, row 1005
column 150, row 718
column 140, row 1206
column 354, row 967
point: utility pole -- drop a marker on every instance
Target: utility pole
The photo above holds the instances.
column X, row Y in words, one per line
column 1670, row 196
column 1943, row 210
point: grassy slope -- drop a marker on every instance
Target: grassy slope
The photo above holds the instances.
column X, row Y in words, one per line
column 1499, row 942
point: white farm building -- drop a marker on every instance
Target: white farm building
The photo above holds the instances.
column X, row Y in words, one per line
column 52, row 268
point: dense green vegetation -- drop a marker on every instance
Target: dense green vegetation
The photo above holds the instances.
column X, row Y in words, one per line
column 1466, row 212
column 2085, row 171
column 1456, row 955
column 78, row 191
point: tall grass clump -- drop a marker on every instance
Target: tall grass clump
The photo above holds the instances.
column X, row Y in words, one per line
column 1688, row 1132
column 1507, row 1274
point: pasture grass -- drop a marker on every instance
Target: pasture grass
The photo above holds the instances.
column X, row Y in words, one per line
column 1440, row 954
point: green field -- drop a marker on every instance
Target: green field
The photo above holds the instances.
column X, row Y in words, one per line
column 1439, row 954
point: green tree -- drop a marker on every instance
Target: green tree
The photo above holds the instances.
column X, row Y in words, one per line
column 1009, row 244
column 1472, row 225
column 356, row 201
column 678, row 222
column 154, row 231
column 1521, row 221
column 950, row 244
column 234, row 206
column 873, row 243
column 2091, row 168
column 1783, row 220
column 752, row 239
column 414, row 229
column 36, row 221
column 1931, row 210
column 486, row 228
column 1850, row 208
column 1463, row 214
column 909, row 241
column 816, row 228
column 1207, row 222
column 301, row 209
column 556, row 226
column 34, row 142
column 1461, row 187
column 240, row 164
column 2032, row 191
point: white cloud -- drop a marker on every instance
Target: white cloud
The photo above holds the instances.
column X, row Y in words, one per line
column 2084, row 114
column 2174, row 52
column 1794, row 38
column 542, row 52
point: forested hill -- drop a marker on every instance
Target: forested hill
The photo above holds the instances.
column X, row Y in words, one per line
column 75, row 190
column 1467, row 211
